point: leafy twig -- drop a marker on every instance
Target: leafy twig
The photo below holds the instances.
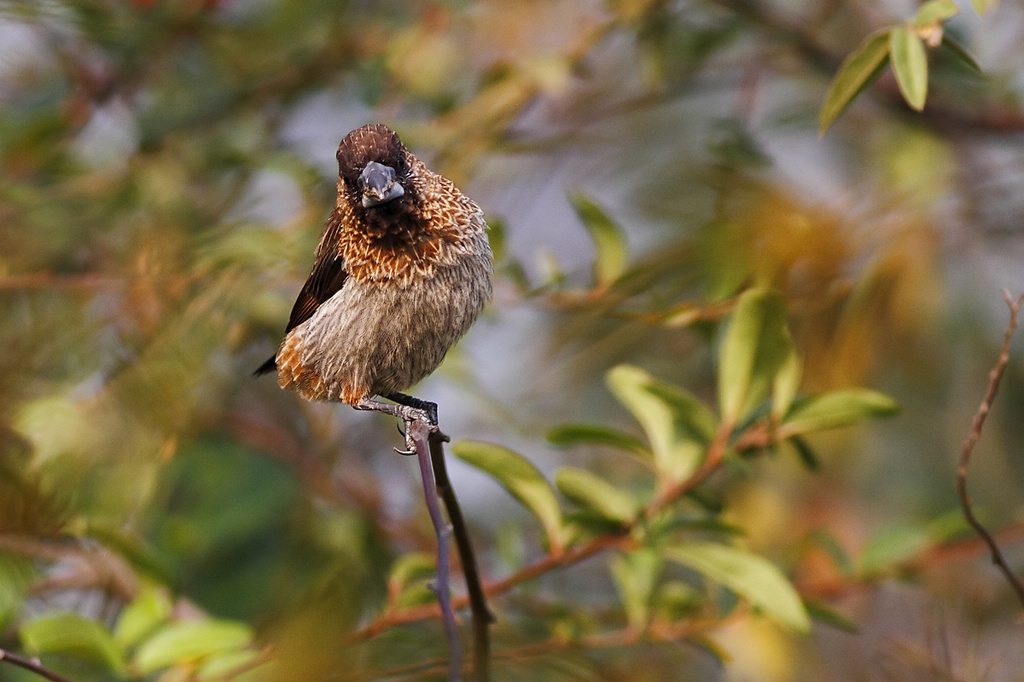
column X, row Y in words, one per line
column 972, row 438
column 32, row 665
column 419, row 432
column 482, row 617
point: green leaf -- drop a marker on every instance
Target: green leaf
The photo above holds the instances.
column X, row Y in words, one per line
column 591, row 492
column 612, row 251
column 982, row 6
column 677, row 424
column 860, row 68
column 960, row 52
column 835, row 409
column 411, row 567
column 910, row 63
column 756, row 347
column 806, row 453
column 591, row 434
column 189, row 641
column 935, row 12
column 635, row 575
column 829, row 616
column 893, row 545
column 73, row 635
column 750, row 576
column 786, row 383
column 220, row 666
column 521, row 479
column 144, row 614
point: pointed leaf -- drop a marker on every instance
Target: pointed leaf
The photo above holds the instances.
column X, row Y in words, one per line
column 786, row 384
column 750, row 576
column 189, row 641
column 982, row 6
column 835, row 409
column 756, row 346
column 593, row 493
column 635, row 575
column 960, row 52
column 612, row 251
column 857, row 71
column 829, row 616
column 677, row 424
column 592, row 434
column 892, row 545
column 73, row 635
column 910, row 63
column 144, row 614
column 935, row 12
column 521, row 479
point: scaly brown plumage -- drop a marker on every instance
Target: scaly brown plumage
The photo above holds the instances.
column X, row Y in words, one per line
column 402, row 270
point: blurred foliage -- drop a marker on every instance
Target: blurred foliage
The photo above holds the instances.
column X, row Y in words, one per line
column 695, row 292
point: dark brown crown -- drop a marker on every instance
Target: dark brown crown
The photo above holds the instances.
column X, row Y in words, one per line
column 374, row 142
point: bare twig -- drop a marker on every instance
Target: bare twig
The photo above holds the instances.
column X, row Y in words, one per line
column 419, row 432
column 972, row 438
column 32, row 665
column 482, row 617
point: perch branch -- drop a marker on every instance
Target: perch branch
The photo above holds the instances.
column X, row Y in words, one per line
column 32, row 665
column 972, row 438
column 482, row 617
column 419, row 433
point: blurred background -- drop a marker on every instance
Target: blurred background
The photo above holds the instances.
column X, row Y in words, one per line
column 165, row 170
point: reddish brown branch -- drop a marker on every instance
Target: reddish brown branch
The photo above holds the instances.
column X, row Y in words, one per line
column 972, row 438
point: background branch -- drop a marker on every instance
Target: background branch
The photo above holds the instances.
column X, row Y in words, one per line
column 972, row 438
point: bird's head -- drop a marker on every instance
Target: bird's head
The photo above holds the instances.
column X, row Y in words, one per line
column 373, row 164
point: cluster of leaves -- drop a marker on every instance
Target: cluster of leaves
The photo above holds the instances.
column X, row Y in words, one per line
column 660, row 518
column 905, row 46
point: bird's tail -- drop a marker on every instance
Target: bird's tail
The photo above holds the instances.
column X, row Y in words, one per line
column 267, row 367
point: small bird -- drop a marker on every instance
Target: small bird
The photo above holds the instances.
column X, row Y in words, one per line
column 402, row 270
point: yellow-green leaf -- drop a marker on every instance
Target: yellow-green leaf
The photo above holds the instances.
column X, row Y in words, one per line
column 677, row 424
column 860, row 68
column 521, row 479
column 835, row 409
column 190, row 641
column 592, row 434
column 73, row 635
column 910, row 63
column 935, row 12
column 591, row 492
column 636, row 575
column 752, row 577
column 756, row 346
column 609, row 241
column 144, row 614
column 982, row 6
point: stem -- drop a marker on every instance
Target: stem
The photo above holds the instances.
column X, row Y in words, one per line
column 32, row 665
column 419, row 431
column 482, row 616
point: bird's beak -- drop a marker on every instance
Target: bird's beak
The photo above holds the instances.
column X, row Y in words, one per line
column 379, row 185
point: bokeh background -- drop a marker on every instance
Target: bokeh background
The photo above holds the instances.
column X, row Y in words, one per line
column 165, row 170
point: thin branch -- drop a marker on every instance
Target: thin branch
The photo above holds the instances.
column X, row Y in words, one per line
column 32, row 665
column 419, row 432
column 482, row 616
column 972, row 438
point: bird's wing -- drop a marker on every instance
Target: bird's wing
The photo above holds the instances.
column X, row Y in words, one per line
column 325, row 280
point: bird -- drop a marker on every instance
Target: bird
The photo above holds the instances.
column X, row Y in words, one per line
column 402, row 270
